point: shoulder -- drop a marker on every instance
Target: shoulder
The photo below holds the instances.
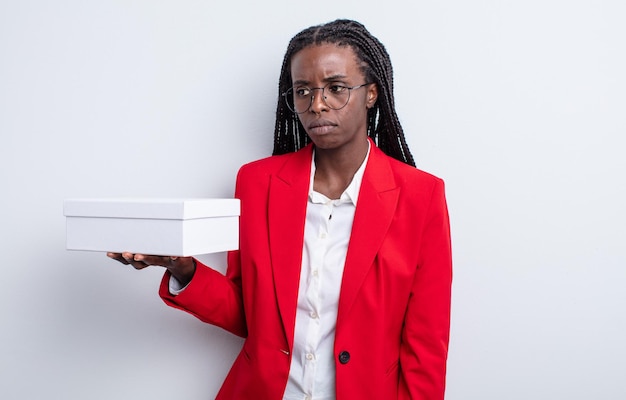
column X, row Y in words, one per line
column 407, row 175
column 253, row 178
column 412, row 174
column 420, row 193
column 283, row 165
column 264, row 166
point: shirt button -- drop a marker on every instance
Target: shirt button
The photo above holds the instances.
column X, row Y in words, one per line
column 313, row 314
column 323, row 235
column 309, row 356
column 315, row 273
column 307, row 397
column 344, row 357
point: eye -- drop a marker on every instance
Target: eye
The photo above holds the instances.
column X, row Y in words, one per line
column 302, row 91
column 337, row 89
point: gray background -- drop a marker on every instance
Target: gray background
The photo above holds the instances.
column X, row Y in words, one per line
column 518, row 105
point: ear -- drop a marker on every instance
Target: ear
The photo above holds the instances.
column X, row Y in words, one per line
column 372, row 95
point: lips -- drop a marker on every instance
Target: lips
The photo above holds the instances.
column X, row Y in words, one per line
column 320, row 126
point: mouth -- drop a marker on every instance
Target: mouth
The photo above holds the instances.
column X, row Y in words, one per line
column 320, row 127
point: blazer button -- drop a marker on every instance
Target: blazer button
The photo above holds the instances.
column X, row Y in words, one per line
column 344, row 357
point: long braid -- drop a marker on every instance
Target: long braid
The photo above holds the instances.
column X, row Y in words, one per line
column 383, row 125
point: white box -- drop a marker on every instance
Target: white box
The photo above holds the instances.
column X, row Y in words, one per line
column 169, row 227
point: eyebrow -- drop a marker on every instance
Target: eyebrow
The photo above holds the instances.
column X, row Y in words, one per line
column 332, row 78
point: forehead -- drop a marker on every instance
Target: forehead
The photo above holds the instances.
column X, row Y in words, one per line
column 324, row 61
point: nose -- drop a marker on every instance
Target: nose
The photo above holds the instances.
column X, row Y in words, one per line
column 318, row 104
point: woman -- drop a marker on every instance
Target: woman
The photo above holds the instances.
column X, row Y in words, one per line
column 341, row 284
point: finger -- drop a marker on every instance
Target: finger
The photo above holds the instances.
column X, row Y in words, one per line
column 137, row 261
column 117, row 257
column 162, row 261
column 129, row 257
column 139, row 265
column 134, row 260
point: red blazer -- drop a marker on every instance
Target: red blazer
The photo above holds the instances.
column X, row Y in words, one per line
column 394, row 308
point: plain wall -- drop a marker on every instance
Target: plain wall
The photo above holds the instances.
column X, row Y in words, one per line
column 518, row 105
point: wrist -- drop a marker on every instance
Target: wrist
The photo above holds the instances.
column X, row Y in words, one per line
column 184, row 270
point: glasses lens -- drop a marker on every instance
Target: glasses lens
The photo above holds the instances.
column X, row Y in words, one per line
column 299, row 99
column 336, row 96
column 288, row 96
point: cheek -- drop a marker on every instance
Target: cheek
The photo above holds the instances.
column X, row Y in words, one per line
column 302, row 118
column 358, row 112
column 361, row 105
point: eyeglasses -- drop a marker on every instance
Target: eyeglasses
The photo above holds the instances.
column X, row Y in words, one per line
column 300, row 98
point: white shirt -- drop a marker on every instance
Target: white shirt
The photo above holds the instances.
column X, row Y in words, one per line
column 326, row 236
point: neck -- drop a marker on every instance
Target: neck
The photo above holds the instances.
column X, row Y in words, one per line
column 335, row 168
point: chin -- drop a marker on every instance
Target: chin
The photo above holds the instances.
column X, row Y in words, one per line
column 323, row 142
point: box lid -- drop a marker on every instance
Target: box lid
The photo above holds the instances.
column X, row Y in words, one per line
column 143, row 208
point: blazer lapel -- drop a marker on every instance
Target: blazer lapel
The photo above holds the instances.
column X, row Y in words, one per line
column 289, row 190
column 378, row 198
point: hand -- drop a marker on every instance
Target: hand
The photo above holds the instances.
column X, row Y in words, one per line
column 181, row 268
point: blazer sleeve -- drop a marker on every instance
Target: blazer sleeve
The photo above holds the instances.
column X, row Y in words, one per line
column 212, row 297
column 425, row 334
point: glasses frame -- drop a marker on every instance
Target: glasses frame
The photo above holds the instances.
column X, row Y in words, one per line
column 290, row 92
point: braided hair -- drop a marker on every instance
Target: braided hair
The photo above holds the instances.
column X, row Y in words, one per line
column 383, row 125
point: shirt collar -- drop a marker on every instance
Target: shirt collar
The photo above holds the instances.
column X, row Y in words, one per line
column 351, row 194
